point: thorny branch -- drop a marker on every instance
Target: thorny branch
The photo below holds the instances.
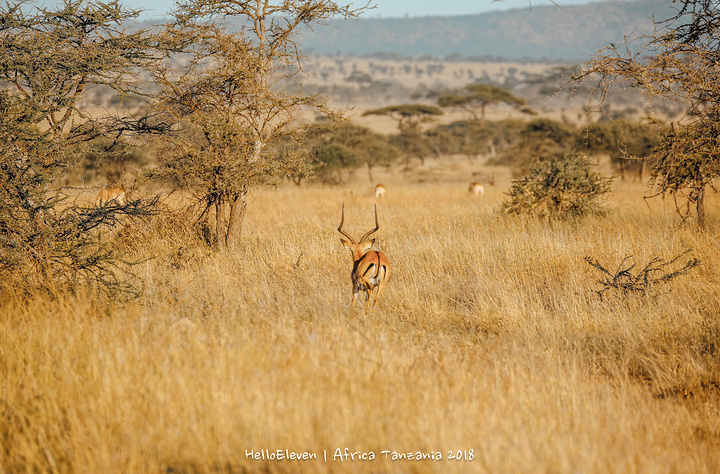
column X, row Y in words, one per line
column 655, row 272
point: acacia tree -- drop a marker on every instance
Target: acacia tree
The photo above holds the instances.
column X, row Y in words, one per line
column 332, row 147
column 622, row 140
column 225, row 94
column 371, row 149
column 48, row 57
column 410, row 118
column 476, row 97
column 678, row 62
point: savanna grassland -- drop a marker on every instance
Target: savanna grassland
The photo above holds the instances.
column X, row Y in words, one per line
column 489, row 340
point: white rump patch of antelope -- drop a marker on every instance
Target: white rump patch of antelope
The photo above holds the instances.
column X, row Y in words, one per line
column 380, row 191
column 477, row 188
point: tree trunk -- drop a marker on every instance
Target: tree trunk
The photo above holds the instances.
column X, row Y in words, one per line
column 220, row 226
column 466, row 148
column 436, row 149
column 641, row 172
column 237, row 215
column 701, row 207
column 491, row 148
column 370, row 173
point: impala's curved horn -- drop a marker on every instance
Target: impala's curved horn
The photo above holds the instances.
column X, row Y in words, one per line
column 377, row 226
column 342, row 220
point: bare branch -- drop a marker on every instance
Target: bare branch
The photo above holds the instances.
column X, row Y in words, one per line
column 653, row 274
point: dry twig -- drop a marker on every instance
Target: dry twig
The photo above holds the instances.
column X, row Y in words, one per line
column 656, row 272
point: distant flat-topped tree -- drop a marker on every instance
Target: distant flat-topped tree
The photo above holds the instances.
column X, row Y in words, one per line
column 409, row 116
column 476, row 97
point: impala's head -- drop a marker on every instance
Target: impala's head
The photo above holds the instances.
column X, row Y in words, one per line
column 358, row 248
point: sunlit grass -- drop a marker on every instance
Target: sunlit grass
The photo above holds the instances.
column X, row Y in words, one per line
column 490, row 337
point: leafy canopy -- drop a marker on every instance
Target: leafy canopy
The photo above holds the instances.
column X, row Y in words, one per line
column 48, row 58
column 235, row 123
column 479, row 96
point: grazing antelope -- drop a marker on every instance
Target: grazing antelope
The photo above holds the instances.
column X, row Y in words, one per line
column 380, row 190
column 114, row 195
column 371, row 269
column 476, row 188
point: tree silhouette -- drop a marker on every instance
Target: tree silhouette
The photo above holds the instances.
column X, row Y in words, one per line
column 410, row 118
column 476, row 97
column 48, row 59
column 227, row 103
column 678, row 62
column 339, row 146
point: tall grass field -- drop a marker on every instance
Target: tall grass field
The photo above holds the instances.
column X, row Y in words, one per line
column 489, row 351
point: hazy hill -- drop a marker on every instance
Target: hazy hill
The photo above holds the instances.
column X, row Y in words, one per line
column 543, row 32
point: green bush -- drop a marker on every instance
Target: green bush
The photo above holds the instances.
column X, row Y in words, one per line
column 473, row 138
column 332, row 159
column 336, row 147
column 540, row 140
column 559, row 188
column 629, row 144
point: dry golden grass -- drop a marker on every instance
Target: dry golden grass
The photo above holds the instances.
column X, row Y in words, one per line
column 488, row 338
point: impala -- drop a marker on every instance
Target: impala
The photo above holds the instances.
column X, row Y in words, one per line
column 371, row 269
column 380, row 190
column 114, row 195
column 476, row 188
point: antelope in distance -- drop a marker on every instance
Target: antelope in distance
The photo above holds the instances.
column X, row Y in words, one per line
column 476, row 188
column 111, row 195
column 380, row 191
column 371, row 268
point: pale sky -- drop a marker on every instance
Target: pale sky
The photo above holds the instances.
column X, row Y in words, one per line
column 390, row 8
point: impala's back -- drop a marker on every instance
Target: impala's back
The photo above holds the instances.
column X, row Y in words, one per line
column 371, row 268
column 114, row 195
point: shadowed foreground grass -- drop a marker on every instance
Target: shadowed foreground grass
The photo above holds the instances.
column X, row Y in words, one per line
column 489, row 341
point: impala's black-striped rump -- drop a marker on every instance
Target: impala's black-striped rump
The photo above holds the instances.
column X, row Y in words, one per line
column 374, row 272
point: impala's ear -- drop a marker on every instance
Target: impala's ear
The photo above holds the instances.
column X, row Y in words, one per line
column 345, row 243
column 369, row 243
